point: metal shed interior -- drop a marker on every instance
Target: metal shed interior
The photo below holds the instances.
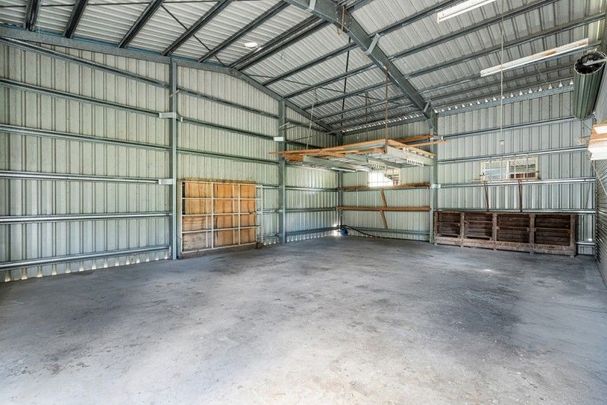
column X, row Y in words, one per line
column 108, row 107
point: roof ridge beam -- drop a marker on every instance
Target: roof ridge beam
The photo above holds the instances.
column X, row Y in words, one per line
column 75, row 16
column 140, row 23
column 201, row 22
column 278, row 7
column 343, row 19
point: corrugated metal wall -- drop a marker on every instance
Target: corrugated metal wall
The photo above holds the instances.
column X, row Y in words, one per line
column 311, row 193
column 63, row 155
column 601, row 212
column 82, row 149
column 542, row 127
column 600, row 167
column 403, row 225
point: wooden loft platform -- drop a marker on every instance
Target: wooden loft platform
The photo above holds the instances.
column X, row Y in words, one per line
column 362, row 156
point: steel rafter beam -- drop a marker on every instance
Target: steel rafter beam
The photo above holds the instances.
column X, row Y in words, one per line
column 140, row 23
column 275, row 42
column 445, row 38
column 475, row 55
column 341, row 96
column 287, row 38
column 392, row 27
column 343, row 19
column 75, row 17
column 201, row 22
column 31, row 14
column 308, row 27
column 314, row 62
column 244, row 30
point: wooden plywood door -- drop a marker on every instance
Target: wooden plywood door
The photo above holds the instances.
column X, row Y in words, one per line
column 217, row 215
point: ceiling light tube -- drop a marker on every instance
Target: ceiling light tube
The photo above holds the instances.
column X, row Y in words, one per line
column 461, row 8
column 527, row 60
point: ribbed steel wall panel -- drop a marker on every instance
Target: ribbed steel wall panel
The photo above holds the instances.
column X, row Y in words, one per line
column 311, row 195
column 558, row 146
column 398, row 131
column 226, row 87
column 601, row 216
column 122, row 150
column 305, row 134
column 417, row 224
column 544, row 141
column 207, row 139
column 535, row 109
column 121, row 155
column 151, row 70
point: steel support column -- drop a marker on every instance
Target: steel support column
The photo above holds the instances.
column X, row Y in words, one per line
column 434, row 186
column 282, row 174
column 340, row 187
column 173, row 135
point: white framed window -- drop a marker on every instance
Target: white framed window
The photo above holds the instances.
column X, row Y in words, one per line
column 384, row 178
column 510, row 169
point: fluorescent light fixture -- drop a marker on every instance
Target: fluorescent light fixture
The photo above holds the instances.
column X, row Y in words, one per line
column 251, row 45
column 461, row 8
column 527, row 60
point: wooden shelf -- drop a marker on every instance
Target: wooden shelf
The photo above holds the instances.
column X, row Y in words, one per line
column 508, row 231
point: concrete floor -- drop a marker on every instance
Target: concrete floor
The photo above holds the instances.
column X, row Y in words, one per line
column 323, row 321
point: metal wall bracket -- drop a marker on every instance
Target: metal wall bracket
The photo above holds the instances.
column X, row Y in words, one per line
column 373, row 44
column 168, row 115
column 166, row 182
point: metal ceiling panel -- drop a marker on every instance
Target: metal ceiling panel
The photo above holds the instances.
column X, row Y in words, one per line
column 321, row 42
column 325, row 69
column 235, row 16
column 162, row 29
column 381, row 13
column 281, row 22
column 474, row 66
column 54, row 15
column 187, row 14
column 108, row 20
column 13, row 12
